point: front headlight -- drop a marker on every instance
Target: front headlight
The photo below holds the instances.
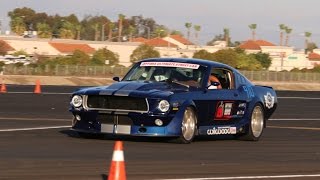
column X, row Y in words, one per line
column 163, row 106
column 76, row 101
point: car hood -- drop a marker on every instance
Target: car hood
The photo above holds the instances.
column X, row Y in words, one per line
column 136, row 89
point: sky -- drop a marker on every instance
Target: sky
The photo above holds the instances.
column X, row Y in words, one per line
column 212, row 15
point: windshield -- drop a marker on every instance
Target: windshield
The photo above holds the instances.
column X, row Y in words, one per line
column 186, row 73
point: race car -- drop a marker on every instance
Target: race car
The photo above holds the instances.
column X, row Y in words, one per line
column 175, row 97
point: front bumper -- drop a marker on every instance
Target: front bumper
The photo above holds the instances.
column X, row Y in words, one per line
column 129, row 130
column 126, row 126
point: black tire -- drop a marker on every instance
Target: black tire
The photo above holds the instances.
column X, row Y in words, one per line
column 256, row 126
column 188, row 126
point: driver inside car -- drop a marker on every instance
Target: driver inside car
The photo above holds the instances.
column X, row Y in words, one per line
column 214, row 82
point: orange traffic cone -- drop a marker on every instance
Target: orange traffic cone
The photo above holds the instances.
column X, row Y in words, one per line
column 117, row 169
column 37, row 88
column 3, row 88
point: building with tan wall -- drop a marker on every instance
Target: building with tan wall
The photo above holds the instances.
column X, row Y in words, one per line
column 283, row 57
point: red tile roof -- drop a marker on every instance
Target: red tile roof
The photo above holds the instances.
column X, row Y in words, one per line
column 264, row 43
column 139, row 39
column 158, row 42
column 181, row 39
column 250, row 45
column 314, row 57
column 255, row 45
column 70, row 48
column 6, row 46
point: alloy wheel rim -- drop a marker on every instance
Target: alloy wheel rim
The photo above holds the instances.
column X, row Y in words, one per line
column 188, row 125
column 257, row 121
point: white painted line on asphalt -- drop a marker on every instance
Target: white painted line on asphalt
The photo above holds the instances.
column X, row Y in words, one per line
column 48, row 93
column 298, row 128
column 33, row 119
column 36, row 128
column 251, row 177
column 294, row 119
column 308, row 98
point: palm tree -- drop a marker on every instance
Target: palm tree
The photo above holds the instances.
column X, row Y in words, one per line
column 160, row 32
column 67, row 30
column 131, row 30
column 197, row 28
column 253, row 28
column 111, row 27
column 288, row 31
column 307, row 40
column 121, row 18
column 226, row 34
column 18, row 26
column 282, row 28
column 44, row 30
column 78, row 29
column 188, row 26
column 96, row 31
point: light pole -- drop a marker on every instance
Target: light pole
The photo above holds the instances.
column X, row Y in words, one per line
column 282, row 55
column 102, row 31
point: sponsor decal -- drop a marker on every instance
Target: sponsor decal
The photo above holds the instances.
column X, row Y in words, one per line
column 242, row 105
column 240, row 112
column 223, row 110
column 222, row 130
column 175, row 106
column 269, row 100
column 219, row 111
column 171, row 64
column 227, row 109
column 241, row 109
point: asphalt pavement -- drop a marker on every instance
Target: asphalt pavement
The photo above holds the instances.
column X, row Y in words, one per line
column 36, row 143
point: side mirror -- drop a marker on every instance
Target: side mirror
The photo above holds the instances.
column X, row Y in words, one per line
column 116, row 79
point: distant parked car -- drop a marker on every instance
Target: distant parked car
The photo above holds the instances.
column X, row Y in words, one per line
column 10, row 59
column 174, row 97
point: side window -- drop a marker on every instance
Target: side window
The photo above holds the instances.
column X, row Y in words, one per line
column 224, row 76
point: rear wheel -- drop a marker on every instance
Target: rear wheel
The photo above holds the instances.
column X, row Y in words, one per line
column 188, row 126
column 256, row 124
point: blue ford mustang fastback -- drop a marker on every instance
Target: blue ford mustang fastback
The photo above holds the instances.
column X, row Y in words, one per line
column 175, row 97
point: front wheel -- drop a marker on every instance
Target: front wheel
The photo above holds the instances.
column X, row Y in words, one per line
column 188, row 126
column 256, row 124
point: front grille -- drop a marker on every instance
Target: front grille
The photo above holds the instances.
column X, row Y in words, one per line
column 114, row 119
column 116, row 103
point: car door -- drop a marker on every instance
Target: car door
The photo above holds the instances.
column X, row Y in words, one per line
column 226, row 104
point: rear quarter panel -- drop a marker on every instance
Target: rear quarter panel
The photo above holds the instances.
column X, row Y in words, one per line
column 268, row 98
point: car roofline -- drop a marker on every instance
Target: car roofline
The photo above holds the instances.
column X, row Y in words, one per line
column 202, row 62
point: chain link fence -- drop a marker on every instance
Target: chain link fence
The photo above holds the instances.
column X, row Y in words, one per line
column 66, row 70
column 107, row 71
column 282, row 76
